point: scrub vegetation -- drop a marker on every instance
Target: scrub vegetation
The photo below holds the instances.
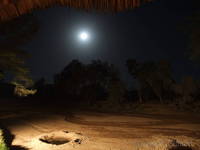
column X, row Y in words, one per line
column 3, row 145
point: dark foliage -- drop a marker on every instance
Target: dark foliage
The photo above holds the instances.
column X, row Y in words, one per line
column 85, row 82
column 6, row 90
column 13, row 35
column 155, row 76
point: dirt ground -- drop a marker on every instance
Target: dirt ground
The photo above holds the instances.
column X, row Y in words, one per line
column 37, row 129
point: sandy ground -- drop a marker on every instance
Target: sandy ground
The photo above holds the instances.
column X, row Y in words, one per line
column 102, row 131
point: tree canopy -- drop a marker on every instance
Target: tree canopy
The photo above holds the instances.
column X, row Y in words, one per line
column 156, row 75
column 87, row 80
column 13, row 34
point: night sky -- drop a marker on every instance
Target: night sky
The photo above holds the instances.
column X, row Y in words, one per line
column 151, row 32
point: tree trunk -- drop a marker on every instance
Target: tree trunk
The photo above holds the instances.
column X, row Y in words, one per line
column 156, row 91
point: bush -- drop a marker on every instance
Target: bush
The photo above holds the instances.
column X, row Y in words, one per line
column 3, row 145
column 21, row 91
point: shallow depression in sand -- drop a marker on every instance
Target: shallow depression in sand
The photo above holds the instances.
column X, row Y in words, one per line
column 55, row 140
column 60, row 138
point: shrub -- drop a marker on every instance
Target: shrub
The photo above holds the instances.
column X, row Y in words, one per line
column 3, row 145
column 21, row 91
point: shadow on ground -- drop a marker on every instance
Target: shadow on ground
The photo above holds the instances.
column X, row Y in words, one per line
column 17, row 147
column 9, row 137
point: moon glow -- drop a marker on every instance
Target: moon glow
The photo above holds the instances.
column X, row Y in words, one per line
column 84, row 36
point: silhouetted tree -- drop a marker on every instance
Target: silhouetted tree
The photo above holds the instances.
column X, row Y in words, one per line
column 88, row 82
column 186, row 89
column 136, row 71
column 40, row 86
column 160, row 78
column 71, row 79
column 13, row 34
column 116, row 92
column 99, row 76
column 157, row 76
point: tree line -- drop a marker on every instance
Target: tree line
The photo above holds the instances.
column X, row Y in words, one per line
column 99, row 83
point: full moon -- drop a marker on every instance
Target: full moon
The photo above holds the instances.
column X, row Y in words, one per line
column 83, row 36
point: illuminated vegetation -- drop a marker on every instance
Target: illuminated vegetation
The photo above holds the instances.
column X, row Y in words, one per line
column 3, row 145
column 21, row 91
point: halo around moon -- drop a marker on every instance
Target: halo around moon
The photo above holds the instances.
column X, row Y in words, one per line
column 84, row 36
